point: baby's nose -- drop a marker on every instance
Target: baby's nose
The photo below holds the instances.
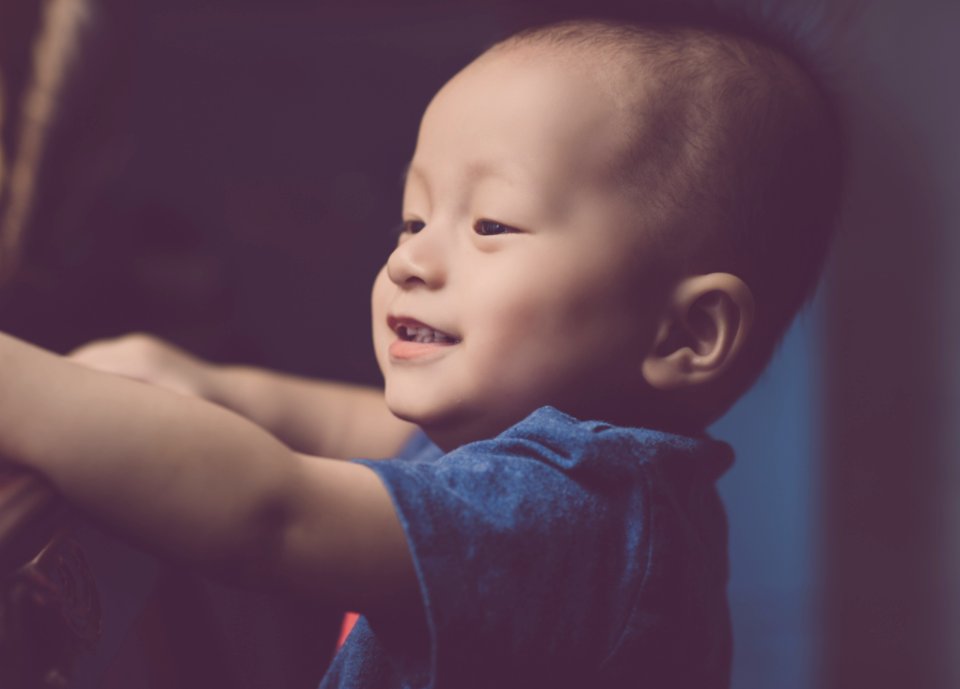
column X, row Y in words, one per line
column 417, row 260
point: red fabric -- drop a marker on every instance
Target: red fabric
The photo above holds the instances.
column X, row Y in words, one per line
column 349, row 620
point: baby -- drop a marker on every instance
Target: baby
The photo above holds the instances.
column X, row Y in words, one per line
column 606, row 229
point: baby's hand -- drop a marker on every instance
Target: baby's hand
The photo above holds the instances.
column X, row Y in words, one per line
column 148, row 359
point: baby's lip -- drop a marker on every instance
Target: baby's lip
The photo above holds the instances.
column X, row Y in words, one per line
column 411, row 329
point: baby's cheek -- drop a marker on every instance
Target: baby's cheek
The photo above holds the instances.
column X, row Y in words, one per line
column 379, row 298
column 517, row 366
column 378, row 292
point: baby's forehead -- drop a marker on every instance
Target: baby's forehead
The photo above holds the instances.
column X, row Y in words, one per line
column 629, row 86
column 542, row 105
column 626, row 80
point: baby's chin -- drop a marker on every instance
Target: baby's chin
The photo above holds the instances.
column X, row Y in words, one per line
column 444, row 430
column 453, row 426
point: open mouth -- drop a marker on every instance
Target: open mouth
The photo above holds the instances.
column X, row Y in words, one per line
column 409, row 330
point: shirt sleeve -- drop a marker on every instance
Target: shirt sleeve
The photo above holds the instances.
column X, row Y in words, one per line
column 529, row 549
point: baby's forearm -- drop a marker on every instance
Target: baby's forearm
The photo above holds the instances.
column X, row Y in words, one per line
column 178, row 474
column 315, row 416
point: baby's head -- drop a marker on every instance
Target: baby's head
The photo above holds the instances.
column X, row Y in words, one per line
column 619, row 221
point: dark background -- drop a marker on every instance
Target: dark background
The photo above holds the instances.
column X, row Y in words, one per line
column 225, row 174
column 229, row 173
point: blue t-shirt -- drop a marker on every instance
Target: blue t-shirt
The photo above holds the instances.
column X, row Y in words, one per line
column 561, row 553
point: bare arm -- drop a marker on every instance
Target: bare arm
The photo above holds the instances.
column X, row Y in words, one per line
column 198, row 482
column 313, row 416
column 322, row 417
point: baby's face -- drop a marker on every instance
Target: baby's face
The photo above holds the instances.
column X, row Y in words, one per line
column 523, row 276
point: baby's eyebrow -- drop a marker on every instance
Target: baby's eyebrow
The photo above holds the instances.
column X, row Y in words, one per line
column 409, row 170
column 476, row 170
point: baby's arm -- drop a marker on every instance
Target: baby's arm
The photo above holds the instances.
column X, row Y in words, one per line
column 198, row 482
column 318, row 417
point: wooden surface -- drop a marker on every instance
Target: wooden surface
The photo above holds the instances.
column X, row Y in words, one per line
column 49, row 604
column 28, row 514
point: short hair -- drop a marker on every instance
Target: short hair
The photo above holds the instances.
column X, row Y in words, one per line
column 739, row 150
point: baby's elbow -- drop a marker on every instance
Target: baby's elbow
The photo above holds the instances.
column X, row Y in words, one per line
column 248, row 549
column 257, row 560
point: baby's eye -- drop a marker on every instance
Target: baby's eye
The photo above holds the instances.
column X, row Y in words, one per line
column 491, row 227
column 410, row 227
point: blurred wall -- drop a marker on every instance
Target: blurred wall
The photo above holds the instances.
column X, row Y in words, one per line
column 772, row 495
column 891, row 375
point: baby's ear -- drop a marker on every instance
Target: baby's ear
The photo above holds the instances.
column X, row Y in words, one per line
column 704, row 328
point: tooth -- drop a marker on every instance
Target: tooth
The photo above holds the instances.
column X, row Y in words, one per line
column 423, row 334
